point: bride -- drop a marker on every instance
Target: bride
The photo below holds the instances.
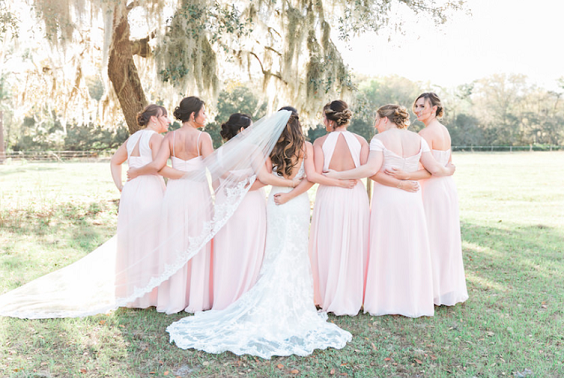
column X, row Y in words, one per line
column 277, row 316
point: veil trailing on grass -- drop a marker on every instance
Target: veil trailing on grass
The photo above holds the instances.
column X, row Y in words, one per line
column 96, row 284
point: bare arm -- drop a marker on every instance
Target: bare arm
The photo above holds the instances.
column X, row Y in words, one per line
column 159, row 161
column 265, row 176
column 421, row 174
column 166, row 171
column 372, row 166
column 434, row 167
column 384, row 179
column 314, row 167
column 118, row 159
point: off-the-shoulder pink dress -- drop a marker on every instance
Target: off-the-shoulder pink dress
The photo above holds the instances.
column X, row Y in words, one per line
column 440, row 201
column 338, row 244
column 399, row 277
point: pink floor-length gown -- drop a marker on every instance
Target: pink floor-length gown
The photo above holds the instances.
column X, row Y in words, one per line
column 140, row 197
column 238, row 249
column 189, row 289
column 440, row 201
column 399, row 277
column 338, row 243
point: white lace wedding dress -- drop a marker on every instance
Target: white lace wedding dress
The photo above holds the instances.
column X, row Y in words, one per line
column 277, row 317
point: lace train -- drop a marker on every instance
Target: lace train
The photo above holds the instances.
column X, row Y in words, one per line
column 277, row 317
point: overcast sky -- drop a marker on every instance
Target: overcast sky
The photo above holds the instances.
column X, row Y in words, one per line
column 501, row 36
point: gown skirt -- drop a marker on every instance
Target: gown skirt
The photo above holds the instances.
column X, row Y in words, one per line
column 190, row 288
column 440, row 201
column 238, row 250
column 399, row 277
column 338, row 248
column 140, row 197
column 277, row 316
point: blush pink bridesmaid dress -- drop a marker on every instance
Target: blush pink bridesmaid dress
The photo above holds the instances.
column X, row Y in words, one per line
column 440, row 201
column 399, row 278
column 238, row 249
column 338, row 244
column 189, row 289
column 141, row 196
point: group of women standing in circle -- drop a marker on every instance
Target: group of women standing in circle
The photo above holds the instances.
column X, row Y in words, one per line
column 400, row 255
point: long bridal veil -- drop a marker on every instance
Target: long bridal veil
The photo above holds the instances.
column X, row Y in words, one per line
column 95, row 284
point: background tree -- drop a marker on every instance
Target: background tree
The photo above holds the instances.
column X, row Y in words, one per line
column 286, row 44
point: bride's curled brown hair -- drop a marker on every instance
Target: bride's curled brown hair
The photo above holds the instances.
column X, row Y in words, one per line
column 338, row 111
column 395, row 113
column 289, row 148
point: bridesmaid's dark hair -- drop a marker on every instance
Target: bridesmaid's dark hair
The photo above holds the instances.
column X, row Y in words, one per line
column 236, row 121
column 289, row 148
column 187, row 106
column 433, row 100
column 337, row 111
column 144, row 116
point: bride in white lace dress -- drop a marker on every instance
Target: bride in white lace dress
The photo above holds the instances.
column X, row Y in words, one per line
column 277, row 317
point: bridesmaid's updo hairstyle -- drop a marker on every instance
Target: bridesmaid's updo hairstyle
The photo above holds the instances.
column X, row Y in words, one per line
column 187, row 106
column 144, row 117
column 289, row 148
column 396, row 114
column 433, row 100
column 337, row 111
column 236, row 121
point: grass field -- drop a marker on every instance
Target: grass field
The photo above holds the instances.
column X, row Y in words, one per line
column 512, row 214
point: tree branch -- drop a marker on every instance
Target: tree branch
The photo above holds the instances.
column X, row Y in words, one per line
column 133, row 4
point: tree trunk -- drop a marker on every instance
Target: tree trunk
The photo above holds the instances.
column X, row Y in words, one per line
column 122, row 71
column 2, row 148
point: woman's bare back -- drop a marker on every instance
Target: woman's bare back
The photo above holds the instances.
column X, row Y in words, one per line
column 403, row 143
column 185, row 143
column 437, row 136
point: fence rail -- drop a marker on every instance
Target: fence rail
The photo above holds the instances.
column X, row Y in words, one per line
column 507, row 148
column 106, row 154
column 57, row 155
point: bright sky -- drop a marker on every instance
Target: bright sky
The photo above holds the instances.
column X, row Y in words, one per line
column 500, row 36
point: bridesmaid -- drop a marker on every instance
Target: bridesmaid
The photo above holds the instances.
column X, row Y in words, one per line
column 440, row 201
column 189, row 289
column 399, row 275
column 141, row 196
column 338, row 243
column 238, row 248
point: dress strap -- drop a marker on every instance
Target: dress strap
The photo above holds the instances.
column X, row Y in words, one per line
column 173, row 137
column 198, row 143
column 331, row 141
column 132, row 142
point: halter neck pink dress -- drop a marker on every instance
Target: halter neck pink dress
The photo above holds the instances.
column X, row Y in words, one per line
column 238, row 248
column 140, row 197
column 440, row 201
column 338, row 244
column 189, row 288
column 399, row 277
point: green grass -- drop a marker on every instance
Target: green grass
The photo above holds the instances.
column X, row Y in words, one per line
column 512, row 214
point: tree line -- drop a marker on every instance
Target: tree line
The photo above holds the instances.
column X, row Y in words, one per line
column 501, row 110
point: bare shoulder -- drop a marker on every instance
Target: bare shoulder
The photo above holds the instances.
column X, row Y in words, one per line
column 360, row 139
column 308, row 146
column 205, row 136
column 319, row 141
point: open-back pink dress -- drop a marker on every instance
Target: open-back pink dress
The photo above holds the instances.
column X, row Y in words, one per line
column 238, row 248
column 189, row 288
column 140, row 197
column 399, row 277
column 338, row 244
column 440, row 201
